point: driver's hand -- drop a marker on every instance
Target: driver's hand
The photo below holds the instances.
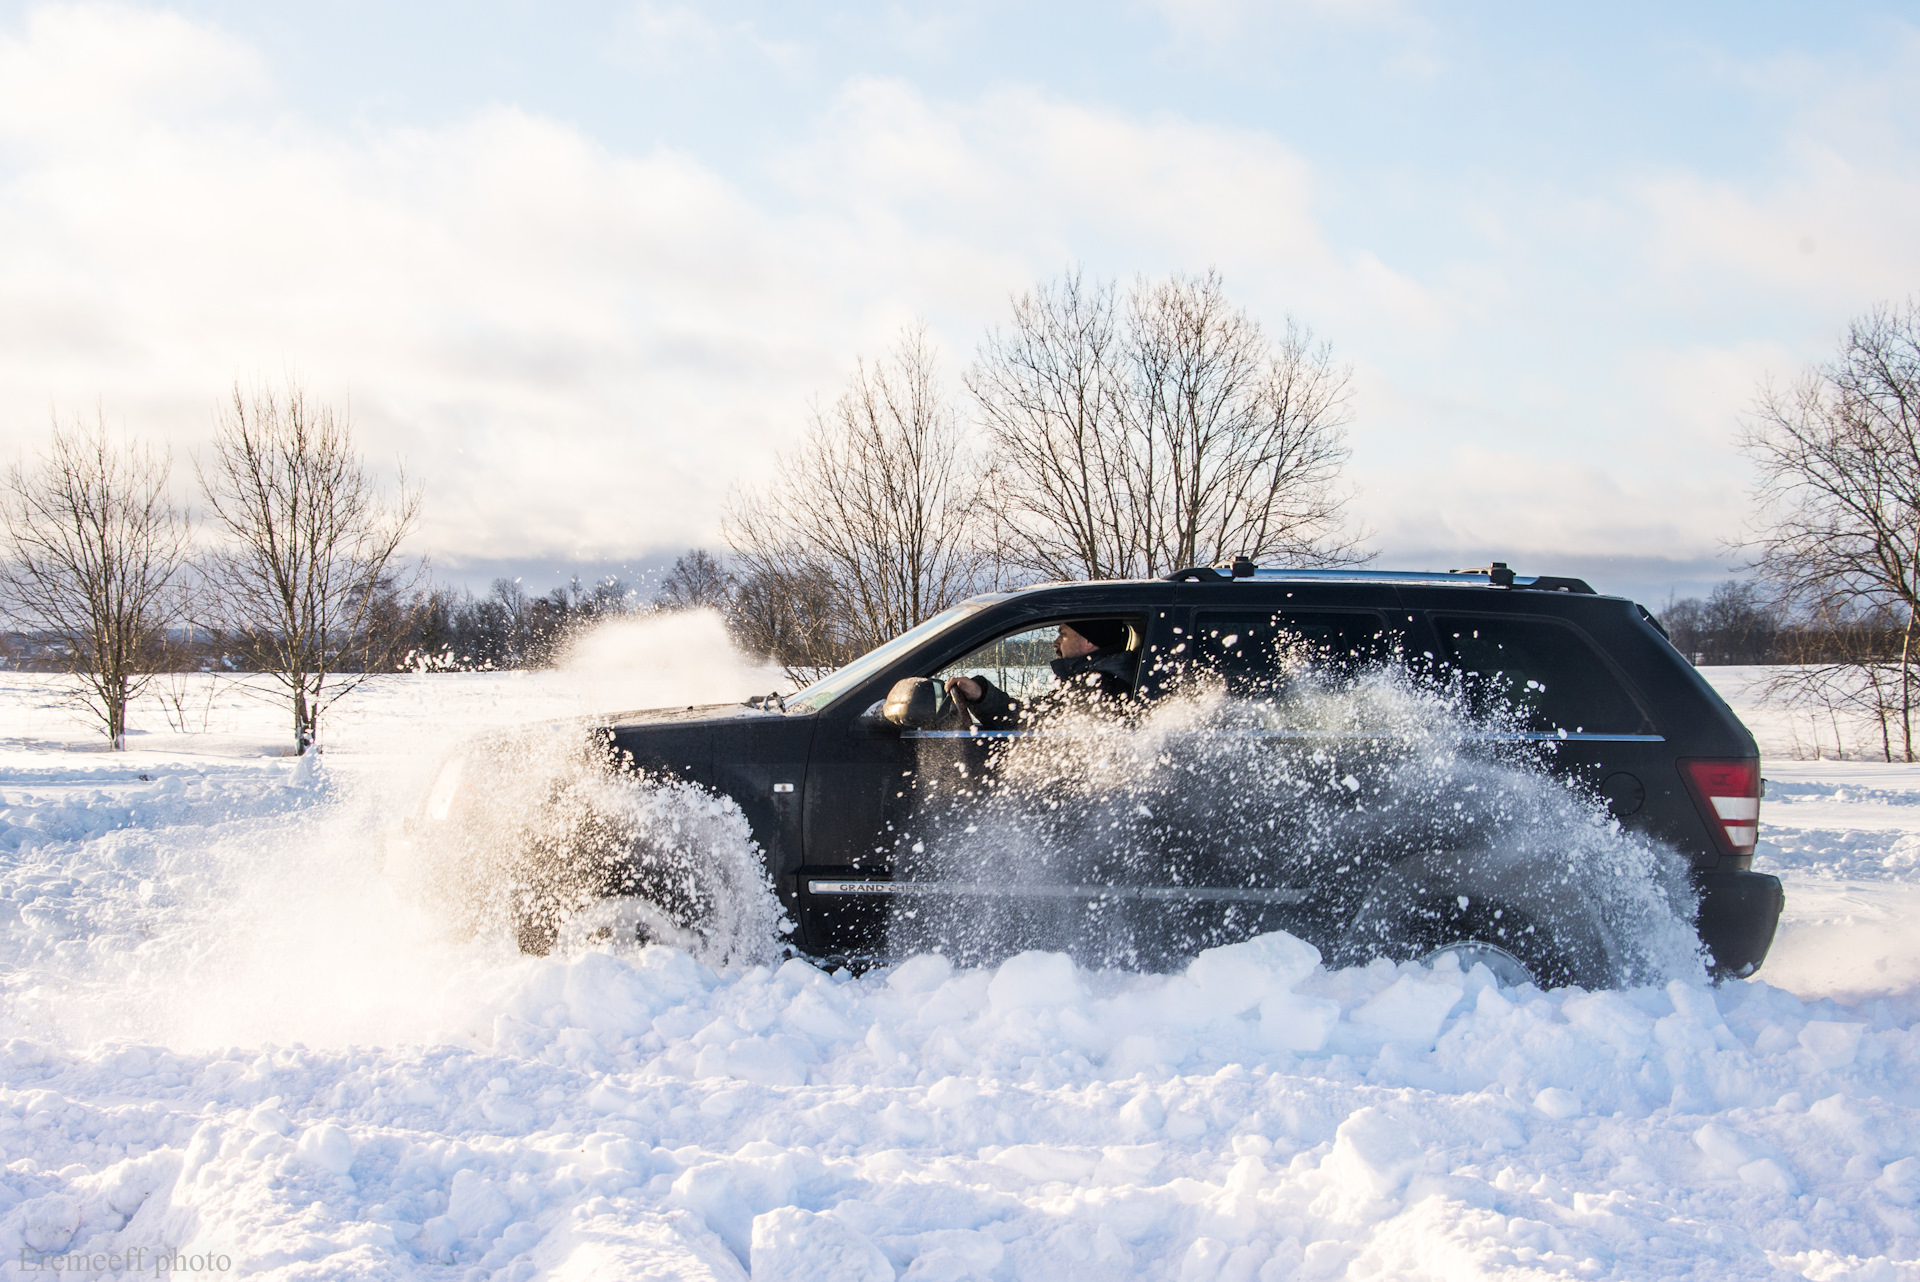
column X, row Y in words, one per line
column 964, row 690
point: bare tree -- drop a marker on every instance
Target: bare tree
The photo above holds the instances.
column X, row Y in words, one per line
column 1169, row 433
column 1239, row 442
column 1735, row 624
column 95, row 554
column 1844, row 669
column 1052, row 390
column 874, row 507
column 697, row 581
column 794, row 618
column 304, row 589
column 1838, row 499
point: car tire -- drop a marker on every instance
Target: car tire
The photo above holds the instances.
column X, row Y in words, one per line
column 1484, row 932
column 1508, row 969
column 625, row 920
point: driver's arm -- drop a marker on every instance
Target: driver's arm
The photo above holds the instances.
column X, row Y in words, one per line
column 990, row 707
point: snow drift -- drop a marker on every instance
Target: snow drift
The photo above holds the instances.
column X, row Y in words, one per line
column 222, row 1032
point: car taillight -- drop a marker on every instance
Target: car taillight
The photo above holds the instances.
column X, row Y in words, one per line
column 1728, row 794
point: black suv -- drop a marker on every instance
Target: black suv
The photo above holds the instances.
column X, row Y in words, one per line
column 848, row 783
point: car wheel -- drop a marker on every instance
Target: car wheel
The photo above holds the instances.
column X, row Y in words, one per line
column 1486, row 932
column 625, row 920
column 1509, row 970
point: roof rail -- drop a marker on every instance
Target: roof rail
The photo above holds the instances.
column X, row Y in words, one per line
column 1497, row 575
column 1242, row 568
column 1502, row 577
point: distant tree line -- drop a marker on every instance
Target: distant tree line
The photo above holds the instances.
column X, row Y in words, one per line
column 1735, row 623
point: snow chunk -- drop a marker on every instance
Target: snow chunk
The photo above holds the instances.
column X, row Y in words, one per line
column 1750, row 1160
column 477, row 1206
column 792, row 1245
column 1373, row 1155
column 1832, row 1044
column 1298, row 1023
column 1412, row 1009
column 49, row 1223
column 1232, row 979
column 328, row 1148
column 952, row 1092
column 1032, row 980
column 1900, row 1181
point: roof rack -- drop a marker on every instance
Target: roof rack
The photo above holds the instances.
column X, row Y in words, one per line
column 1242, row 568
column 1497, row 575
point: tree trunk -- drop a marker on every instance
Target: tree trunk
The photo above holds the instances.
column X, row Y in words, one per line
column 117, row 714
column 1906, row 690
column 1906, row 655
column 302, row 722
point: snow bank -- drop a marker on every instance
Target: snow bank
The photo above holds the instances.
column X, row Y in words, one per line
column 222, row 1033
column 1252, row 1116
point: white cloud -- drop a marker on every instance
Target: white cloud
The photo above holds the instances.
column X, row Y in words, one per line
column 576, row 350
column 678, row 37
column 1830, row 223
column 1244, row 35
column 579, row 350
column 1218, row 20
column 81, row 69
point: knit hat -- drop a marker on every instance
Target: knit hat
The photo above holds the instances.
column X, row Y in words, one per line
column 1106, row 634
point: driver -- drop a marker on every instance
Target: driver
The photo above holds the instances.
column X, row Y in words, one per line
column 1093, row 662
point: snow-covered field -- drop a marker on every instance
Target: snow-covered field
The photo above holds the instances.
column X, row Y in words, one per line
column 223, row 1034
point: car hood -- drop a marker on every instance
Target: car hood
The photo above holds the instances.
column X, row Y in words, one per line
column 712, row 744
column 716, row 712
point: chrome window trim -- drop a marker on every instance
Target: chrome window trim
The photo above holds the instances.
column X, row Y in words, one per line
column 1496, row 736
column 976, row 890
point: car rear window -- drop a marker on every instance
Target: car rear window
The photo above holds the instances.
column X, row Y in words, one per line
column 1541, row 670
column 1252, row 649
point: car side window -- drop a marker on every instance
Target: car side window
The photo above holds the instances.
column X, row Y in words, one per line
column 1252, row 649
column 1542, row 670
column 1017, row 662
column 1020, row 663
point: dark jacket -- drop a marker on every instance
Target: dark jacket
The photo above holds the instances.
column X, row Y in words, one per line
column 1089, row 679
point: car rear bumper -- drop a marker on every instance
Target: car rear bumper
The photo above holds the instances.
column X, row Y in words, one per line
column 1739, row 911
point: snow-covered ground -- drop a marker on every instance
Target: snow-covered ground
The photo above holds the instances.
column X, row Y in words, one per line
column 223, row 1034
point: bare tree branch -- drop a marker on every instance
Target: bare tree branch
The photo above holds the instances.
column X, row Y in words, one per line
column 304, row 588
column 1837, row 528
column 95, row 557
column 1136, row 441
column 867, row 529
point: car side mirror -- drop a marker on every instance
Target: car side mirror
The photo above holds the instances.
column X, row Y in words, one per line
column 913, row 703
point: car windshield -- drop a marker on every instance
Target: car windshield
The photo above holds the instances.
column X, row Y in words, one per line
column 838, row 682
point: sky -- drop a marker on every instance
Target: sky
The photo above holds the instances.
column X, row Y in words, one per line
column 581, row 270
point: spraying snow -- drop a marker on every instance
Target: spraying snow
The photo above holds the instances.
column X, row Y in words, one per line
column 663, row 660
column 1301, row 801
column 239, row 899
column 538, row 836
